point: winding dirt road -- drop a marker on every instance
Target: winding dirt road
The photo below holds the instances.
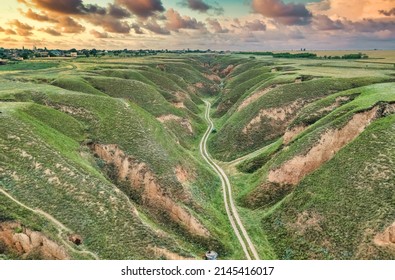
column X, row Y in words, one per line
column 234, row 218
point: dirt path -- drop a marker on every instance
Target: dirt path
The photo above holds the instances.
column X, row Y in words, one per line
column 234, row 218
column 61, row 227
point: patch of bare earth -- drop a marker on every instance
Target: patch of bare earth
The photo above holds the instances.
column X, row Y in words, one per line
column 279, row 114
column 386, row 238
column 291, row 133
column 24, row 242
column 181, row 97
column 292, row 171
column 213, row 77
column 182, row 174
column 168, row 255
column 143, row 181
column 228, row 70
column 199, row 85
column 255, row 97
column 339, row 101
column 306, row 221
column 182, row 121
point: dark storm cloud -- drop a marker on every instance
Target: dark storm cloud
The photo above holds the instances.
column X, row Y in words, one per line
column 287, row 14
column 68, row 7
column 142, row 8
column 201, row 6
column 118, row 12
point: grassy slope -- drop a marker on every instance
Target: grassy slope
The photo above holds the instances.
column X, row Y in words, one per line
column 305, row 223
column 110, row 121
column 345, row 211
column 230, row 142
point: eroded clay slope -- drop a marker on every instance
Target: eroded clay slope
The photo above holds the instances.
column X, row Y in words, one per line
column 143, row 183
column 25, row 242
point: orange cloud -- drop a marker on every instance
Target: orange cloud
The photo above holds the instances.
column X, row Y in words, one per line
column 35, row 16
column 50, row 31
column 21, row 28
column 175, row 21
column 354, row 10
column 98, row 34
column 69, row 25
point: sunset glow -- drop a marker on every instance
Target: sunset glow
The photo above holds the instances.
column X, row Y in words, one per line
column 198, row 24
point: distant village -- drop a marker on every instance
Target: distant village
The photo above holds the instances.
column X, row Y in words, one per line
column 7, row 55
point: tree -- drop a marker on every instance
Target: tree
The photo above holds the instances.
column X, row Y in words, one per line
column 93, row 52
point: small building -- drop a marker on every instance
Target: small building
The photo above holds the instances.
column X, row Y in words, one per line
column 73, row 54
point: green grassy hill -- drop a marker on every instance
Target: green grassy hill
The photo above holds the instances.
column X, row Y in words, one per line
column 110, row 149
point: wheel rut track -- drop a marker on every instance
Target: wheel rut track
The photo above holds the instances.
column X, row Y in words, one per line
column 231, row 210
column 61, row 227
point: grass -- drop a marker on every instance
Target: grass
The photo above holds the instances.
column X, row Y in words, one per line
column 28, row 66
column 230, row 142
column 48, row 115
column 349, row 208
column 59, row 174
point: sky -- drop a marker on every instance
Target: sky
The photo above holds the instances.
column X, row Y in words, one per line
column 246, row 25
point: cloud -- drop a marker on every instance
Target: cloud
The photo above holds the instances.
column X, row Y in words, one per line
column 7, row 31
column 22, row 29
column 35, row 16
column 69, row 25
column 153, row 26
column 370, row 25
column 323, row 22
column 388, row 13
column 287, row 14
column 50, row 31
column 98, row 34
column 109, row 23
column 117, row 12
column 137, row 29
column 354, row 10
column 201, row 6
column 10, row 32
column 68, row 7
column 216, row 26
column 255, row 25
column 175, row 22
column 142, row 8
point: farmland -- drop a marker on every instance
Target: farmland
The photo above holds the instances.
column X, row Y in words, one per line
column 109, row 147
